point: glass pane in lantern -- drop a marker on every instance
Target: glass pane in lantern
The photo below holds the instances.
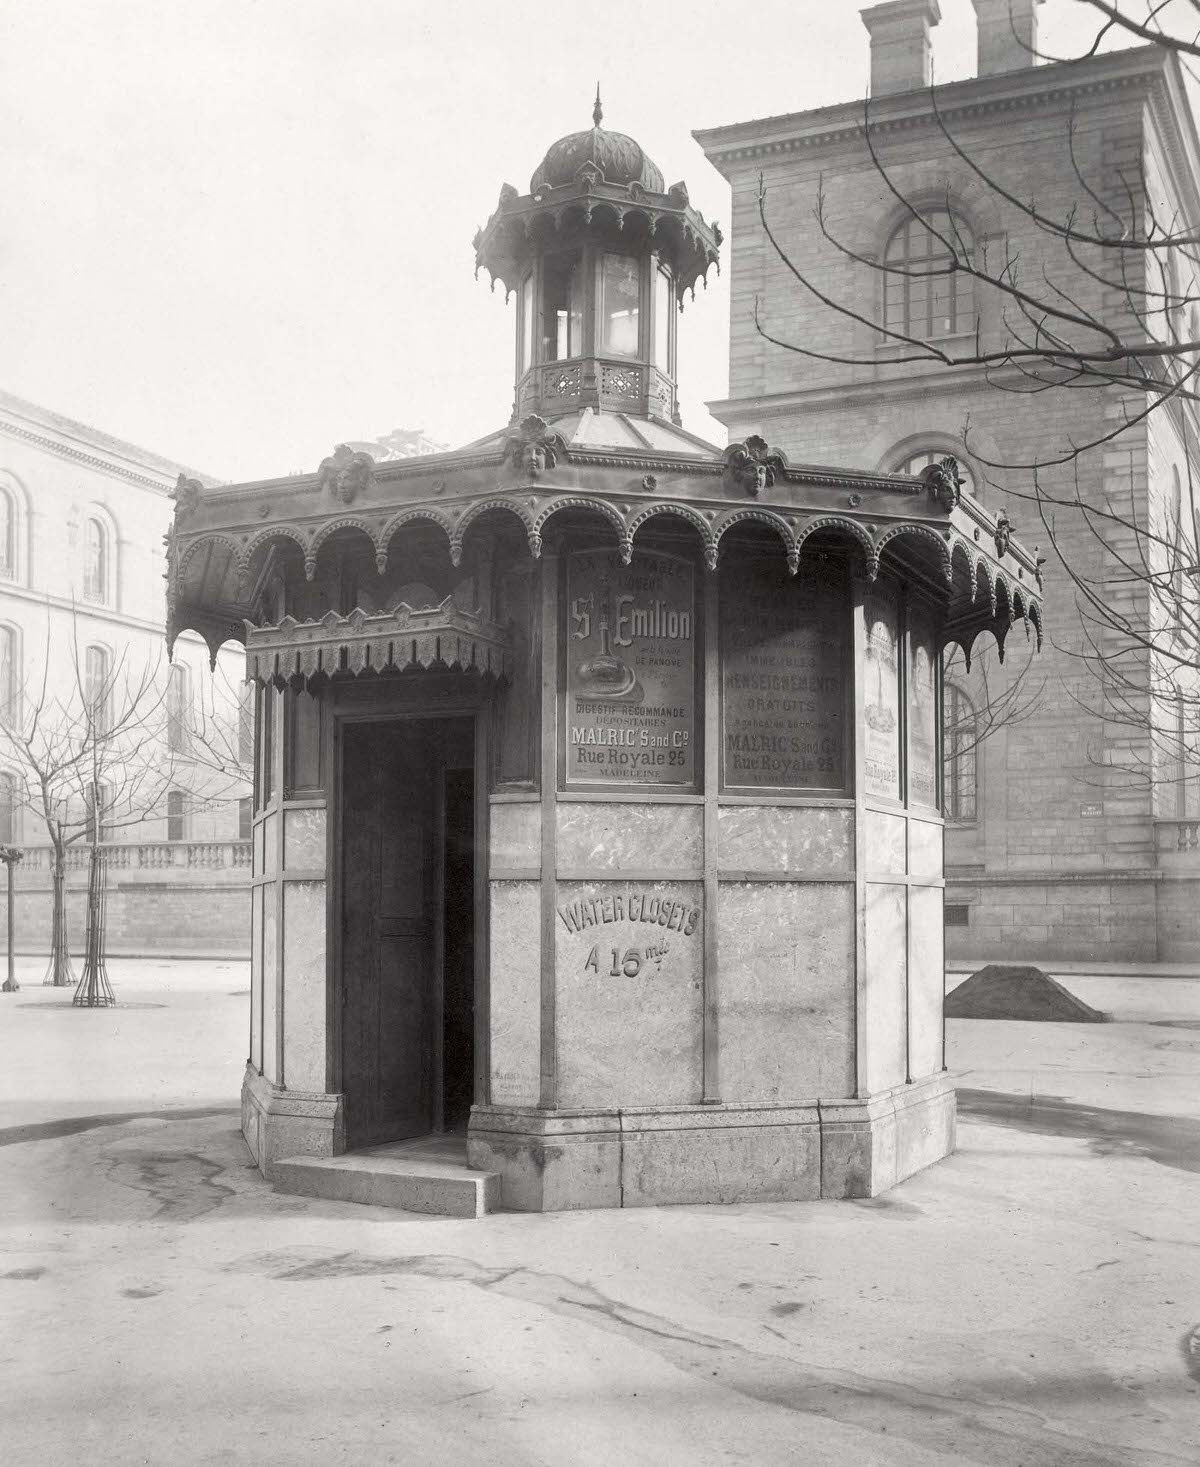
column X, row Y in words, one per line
column 619, row 292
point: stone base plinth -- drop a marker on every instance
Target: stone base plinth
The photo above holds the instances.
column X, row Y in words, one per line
column 868, row 1146
column 288, row 1123
column 550, row 1161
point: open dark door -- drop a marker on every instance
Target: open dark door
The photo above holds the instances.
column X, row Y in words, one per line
column 388, row 890
column 408, row 923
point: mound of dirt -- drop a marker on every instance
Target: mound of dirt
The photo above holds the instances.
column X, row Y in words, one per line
column 1011, row 991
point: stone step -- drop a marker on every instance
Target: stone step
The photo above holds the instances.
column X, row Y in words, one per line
column 427, row 1175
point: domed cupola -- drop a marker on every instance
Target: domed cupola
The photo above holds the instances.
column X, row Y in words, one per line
column 610, row 156
column 599, row 254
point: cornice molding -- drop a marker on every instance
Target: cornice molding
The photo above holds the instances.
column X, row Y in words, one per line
column 85, row 610
column 848, row 394
column 1026, row 90
column 81, row 456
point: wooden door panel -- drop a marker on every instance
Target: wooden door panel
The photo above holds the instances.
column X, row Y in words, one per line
column 387, row 950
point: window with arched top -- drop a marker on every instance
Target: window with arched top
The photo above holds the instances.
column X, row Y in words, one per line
column 176, row 815
column 97, row 561
column 8, row 535
column 1175, row 542
column 97, row 667
column 925, row 294
column 8, row 808
column 959, row 743
column 179, row 707
column 10, row 674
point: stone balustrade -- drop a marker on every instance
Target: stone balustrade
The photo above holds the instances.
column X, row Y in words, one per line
column 197, row 856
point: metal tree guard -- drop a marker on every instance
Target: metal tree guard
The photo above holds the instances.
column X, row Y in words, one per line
column 94, row 990
column 10, row 855
column 59, row 972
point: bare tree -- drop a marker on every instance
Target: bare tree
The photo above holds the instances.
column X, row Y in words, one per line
column 1130, row 558
column 103, row 754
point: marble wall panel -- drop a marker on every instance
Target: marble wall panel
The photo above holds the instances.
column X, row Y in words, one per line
column 786, row 991
column 785, row 838
column 515, row 836
column 304, row 840
column 886, row 1029
column 629, row 963
column 924, row 850
column 515, row 1001
column 602, row 837
column 885, row 843
column 270, row 831
column 270, row 1066
column 926, row 980
column 305, row 1016
column 256, row 977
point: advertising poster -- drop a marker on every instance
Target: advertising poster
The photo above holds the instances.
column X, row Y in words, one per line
column 630, row 649
column 923, row 730
column 881, row 716
column 784, row 669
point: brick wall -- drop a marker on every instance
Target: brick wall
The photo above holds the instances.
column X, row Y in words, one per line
column 1061, row 858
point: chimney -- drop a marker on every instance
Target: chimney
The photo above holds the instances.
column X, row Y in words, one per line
column 1007, row 34
column 900, row 44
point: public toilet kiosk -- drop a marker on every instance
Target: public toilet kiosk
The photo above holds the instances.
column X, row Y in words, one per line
column 596, row 814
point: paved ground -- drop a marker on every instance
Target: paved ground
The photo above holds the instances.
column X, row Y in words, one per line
column 1029, row 1301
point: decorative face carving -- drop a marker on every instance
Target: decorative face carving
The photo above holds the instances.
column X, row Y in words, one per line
column 753, row 467
column 346, row 474
column 944, row 482
column 533, row 460
column 187, row 497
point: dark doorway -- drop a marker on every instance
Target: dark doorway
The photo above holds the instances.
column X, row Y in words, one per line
column 408, row 927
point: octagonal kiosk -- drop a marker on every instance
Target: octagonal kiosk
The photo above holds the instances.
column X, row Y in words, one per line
column 597, row 843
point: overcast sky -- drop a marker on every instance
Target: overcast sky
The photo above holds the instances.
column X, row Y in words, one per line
column 237, row 231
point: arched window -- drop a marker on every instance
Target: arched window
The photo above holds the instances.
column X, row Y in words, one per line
column 179, row 707
column 10, row 674
column 915, row 462
column 96, row 690
column 96, row 562
column 98, row 808
column 1175, row 542
column 176, row 815
column 8, row 535
column 245, row 741
column 959, row 728
column 8, row 809
column 924, row 295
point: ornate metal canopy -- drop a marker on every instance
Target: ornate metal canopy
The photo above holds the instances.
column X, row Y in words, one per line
column 602, row 175
column 228, row 543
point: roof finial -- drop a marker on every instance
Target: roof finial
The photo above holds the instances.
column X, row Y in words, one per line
column 597, row 110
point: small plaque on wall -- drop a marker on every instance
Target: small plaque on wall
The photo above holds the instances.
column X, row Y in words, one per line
column 881, row 713
column 783, row 676
column 629, row 643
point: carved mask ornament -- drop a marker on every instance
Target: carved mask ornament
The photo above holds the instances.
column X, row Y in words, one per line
column 944, row 482
column 346, row 474
column 533, row 460
column 752, row 466
column 532, row 448
column 187, row 496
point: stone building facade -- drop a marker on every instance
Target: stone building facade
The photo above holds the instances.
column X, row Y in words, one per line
column 82, row 522
column 1051, row 849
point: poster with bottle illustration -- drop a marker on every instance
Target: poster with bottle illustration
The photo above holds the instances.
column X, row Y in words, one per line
column 629, row 639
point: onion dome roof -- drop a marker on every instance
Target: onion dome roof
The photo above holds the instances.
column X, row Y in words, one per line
column 619, row 158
